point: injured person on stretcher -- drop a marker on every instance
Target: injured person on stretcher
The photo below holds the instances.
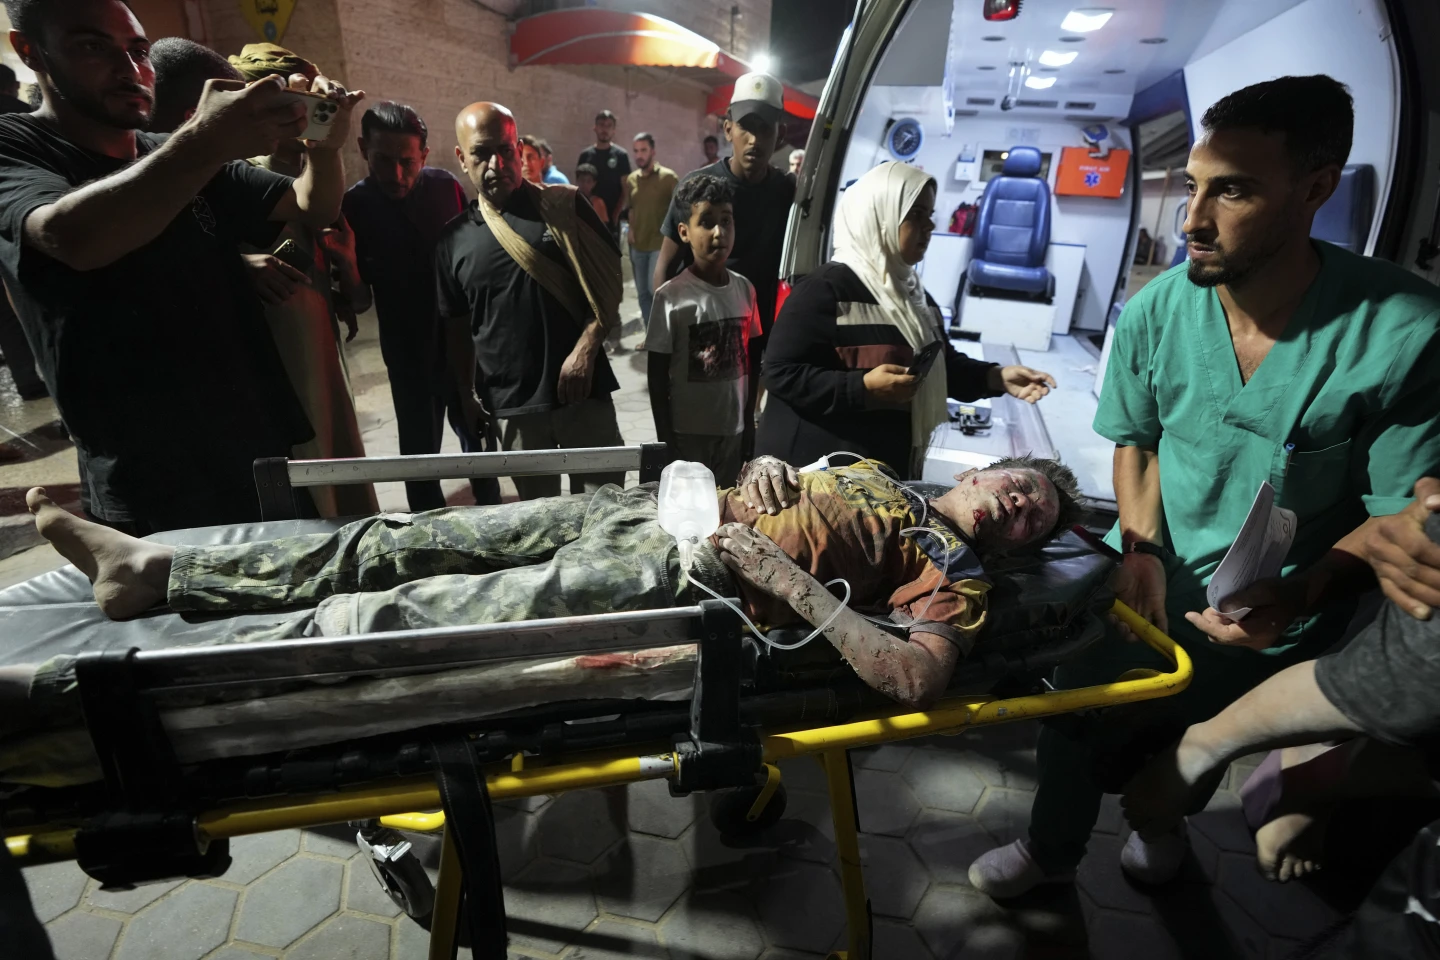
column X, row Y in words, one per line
column 783, row 534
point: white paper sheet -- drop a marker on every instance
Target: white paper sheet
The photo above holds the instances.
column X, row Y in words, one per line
column 1258, row 552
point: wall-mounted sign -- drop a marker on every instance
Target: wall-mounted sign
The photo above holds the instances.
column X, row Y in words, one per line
column 268, row 17
column 1081, row 175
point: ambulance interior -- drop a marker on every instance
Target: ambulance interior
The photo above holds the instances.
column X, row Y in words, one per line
column 1058, row 139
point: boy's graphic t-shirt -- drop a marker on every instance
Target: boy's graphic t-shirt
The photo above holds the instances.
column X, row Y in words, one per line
column 706, row 330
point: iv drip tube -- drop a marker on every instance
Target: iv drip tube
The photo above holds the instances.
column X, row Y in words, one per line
column 759, row 633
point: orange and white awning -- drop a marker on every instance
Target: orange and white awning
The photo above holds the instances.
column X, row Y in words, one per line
column 610, row 37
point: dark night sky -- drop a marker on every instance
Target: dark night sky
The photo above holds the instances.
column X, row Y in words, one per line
column 804, row 34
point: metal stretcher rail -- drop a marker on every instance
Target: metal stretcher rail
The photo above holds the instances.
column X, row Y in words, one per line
column 410, row 651
column 277, row 477
column 393, row 802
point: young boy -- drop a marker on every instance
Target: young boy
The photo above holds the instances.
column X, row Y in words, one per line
column 703, row 369
column 586, row 176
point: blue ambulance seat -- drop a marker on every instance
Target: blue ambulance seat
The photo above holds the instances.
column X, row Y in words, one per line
column 1012, row 229
column 1180, row 253
column 1345, row 218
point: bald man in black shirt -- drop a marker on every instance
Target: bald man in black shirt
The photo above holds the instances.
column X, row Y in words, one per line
column 523, row 350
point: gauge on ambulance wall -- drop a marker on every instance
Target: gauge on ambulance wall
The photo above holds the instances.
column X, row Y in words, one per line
column 905, row 138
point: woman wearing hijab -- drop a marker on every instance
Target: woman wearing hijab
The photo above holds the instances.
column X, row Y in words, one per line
column 836, row 363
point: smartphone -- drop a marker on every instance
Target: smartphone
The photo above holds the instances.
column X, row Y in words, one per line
column 290, row 253
column 925, row 359
column 319, row 113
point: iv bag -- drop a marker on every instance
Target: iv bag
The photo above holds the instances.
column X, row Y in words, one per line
column 689, row 507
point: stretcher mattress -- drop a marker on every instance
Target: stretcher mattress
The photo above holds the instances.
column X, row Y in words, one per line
column 1036, row 598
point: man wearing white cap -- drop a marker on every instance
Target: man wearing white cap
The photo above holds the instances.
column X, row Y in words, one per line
column 763, row 195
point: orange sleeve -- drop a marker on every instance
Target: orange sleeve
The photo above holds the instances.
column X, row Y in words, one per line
column 957, row 611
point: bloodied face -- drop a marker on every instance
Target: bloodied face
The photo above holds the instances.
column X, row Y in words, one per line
column 1002, row 509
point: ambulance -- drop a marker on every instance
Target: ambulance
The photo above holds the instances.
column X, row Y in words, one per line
column 1078, row 120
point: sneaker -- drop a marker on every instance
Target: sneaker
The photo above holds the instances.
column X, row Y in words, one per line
column 1157, row 861
column 1010, row 871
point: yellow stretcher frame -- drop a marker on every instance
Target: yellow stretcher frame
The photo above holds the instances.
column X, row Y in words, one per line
column 832, row 745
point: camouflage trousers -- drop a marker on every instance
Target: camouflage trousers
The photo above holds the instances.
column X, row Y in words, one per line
column 536, row 559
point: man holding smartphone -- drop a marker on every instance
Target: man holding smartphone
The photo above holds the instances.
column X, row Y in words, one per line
column 121, row 252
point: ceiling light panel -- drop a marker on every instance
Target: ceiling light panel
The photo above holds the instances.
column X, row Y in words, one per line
column 1086, row 19
column 1054, row 58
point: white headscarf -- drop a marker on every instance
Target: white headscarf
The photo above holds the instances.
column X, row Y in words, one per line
column 867, row 240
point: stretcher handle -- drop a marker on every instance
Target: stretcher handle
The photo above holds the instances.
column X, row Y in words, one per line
column 951, row 717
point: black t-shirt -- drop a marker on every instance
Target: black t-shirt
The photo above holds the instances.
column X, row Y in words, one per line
column 160, row 363
column 522, row 334
column 614, row 166
column 395, row 247
column 761, row 212
column 815, row 370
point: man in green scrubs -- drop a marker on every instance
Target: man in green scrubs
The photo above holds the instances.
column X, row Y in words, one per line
column 1268, row 357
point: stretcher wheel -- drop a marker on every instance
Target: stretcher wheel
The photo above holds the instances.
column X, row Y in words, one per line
column 405, row 880
column 730, row 811
column 397, row 869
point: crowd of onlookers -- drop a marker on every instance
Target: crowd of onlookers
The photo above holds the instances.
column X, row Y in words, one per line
column 229, row 209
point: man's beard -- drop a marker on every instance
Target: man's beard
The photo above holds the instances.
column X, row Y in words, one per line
column 93, row 108
column 1233, row 269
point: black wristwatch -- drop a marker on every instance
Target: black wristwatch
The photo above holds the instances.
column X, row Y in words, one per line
column 1145, row 546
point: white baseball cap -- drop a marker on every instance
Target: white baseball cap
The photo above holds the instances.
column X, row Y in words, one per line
column 758, row 93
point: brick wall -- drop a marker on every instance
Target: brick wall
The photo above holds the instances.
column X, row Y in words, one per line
column 439, row 55
column 313, row 32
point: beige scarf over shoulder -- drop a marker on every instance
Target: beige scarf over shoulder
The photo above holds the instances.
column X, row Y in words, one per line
column 594, row 278
column 867, row 240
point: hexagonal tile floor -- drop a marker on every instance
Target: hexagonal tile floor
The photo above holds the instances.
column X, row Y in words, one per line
column 631, row 872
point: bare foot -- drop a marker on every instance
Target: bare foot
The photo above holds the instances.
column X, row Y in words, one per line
column 1291, row 845
column 129, row 575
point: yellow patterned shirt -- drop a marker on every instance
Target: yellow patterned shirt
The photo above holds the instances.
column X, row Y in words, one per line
column 847, row 524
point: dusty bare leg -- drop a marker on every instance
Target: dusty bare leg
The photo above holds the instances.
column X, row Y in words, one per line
column 129, row 575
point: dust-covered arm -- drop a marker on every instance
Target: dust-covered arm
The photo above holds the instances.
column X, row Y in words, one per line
column 913, row 671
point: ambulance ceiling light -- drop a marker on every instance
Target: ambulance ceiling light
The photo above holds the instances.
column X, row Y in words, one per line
column 1039, row 83
column 763, row 63
column 1054, row 58
column 1086, row 19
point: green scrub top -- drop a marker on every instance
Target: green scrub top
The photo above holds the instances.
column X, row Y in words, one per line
column 1353, row 384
